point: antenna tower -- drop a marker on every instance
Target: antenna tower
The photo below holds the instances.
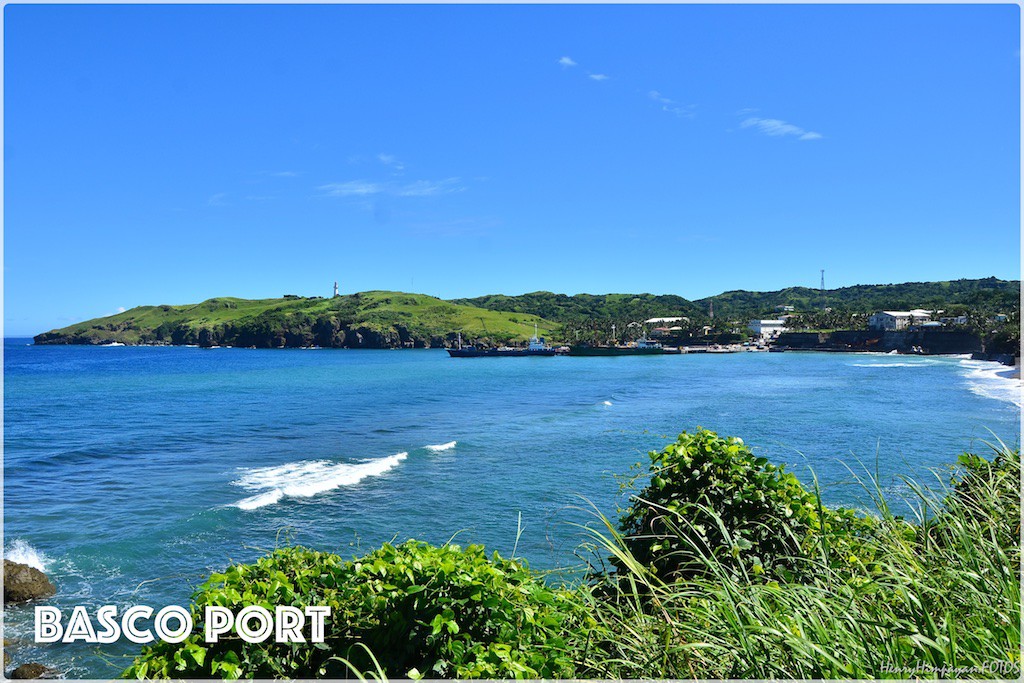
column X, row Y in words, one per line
column 823, row 289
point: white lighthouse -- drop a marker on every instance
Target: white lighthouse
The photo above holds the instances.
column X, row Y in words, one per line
column 336, row 288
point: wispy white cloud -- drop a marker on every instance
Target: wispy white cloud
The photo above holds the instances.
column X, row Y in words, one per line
column 567, row 62
column 428, row 188
column 417, row 188
column 218, row 199
column 352, row 188
column 658, row 97
column 285, row 174
column 671, row 106
column 686, row 111
column 778, row 128
column 391, row 161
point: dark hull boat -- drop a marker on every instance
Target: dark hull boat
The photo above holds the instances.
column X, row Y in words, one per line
column 471, row 352
column 537, row 347
column 642, row 347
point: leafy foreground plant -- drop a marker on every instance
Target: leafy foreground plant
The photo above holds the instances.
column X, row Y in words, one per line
column 727, row 567
column 711, row 498
column 408, row 611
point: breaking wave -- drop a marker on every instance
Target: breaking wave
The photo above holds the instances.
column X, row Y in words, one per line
column 441, row 446
column 307, row 478
column 986, row 378
column 21, row 552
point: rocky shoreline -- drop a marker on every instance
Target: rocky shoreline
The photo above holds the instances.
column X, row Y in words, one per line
column 921, row 342
column 24, row 584
column 329, row 335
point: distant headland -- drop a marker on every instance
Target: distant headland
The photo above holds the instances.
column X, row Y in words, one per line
column 984, row 309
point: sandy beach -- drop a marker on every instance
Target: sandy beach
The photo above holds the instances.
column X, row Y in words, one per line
column 1010, row 373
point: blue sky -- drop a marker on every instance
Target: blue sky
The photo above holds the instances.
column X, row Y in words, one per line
column 169, row 154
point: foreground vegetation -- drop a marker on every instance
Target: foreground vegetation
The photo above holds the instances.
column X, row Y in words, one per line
column 725, row 566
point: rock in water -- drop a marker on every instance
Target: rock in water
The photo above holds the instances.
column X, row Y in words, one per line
column 22, row 583
column 33, row 670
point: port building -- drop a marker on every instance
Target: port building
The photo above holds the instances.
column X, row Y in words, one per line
column 767, row 329
column 892, row 321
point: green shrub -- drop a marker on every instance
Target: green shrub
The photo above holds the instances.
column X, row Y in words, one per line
column 710, row 497
column 874, row 597
column 421, row 610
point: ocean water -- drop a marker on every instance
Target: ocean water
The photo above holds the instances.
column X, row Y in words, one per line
column 132, row 473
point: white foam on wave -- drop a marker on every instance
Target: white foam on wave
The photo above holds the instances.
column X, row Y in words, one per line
column 436, row 448
column 984, row 379
column 606, row 403
column 918, row 364
column 307, row 478
column 21, row 552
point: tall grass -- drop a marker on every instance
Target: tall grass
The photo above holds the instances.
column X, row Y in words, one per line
column 937, row 598
column 703, row 588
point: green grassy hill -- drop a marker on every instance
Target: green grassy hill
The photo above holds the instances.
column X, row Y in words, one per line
column 374, row 319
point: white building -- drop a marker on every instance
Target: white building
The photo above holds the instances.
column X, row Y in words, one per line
column 898, row 320
column 767, row 329
column 659, row 321
column 784, row 308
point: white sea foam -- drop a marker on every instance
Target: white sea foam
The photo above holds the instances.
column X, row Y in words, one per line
column 984, row 379
column 21, row 552
column 442, row 446
column 891, row 365
column 307, row 478
column 606, row 403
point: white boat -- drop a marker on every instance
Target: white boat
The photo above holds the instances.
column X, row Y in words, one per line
column 645, row 343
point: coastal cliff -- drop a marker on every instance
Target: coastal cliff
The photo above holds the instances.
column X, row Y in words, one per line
column 369, row 320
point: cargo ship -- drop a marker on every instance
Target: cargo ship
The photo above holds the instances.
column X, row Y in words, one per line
column 642, row 347
column 537, row 347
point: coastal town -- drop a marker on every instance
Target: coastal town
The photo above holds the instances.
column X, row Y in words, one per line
column 977, row 317
column 918, row 331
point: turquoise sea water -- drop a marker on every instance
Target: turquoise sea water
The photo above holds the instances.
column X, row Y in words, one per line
column 132, row 473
